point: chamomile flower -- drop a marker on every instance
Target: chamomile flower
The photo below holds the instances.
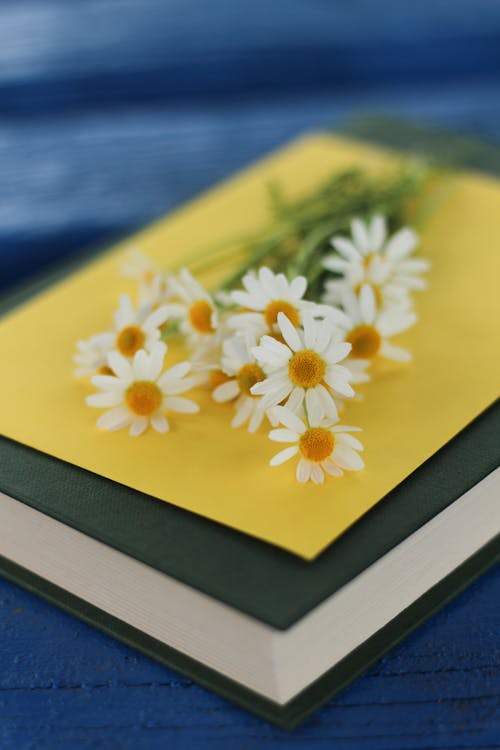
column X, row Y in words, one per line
column 151, row 281
column 265, row 295
column 137, row 265
column 194, row 308
column 138, row 394
column 304, row 368
column 91, row 355
column 239, row 372
column 323, row 446
column 371, row 328
column 137, row 328
column 371, row 257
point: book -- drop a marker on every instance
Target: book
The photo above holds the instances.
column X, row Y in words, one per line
column 277, row 620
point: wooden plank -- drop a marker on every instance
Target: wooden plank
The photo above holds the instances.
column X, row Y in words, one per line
column 63, row 684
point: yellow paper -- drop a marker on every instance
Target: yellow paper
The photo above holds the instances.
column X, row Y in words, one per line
column 203, row 465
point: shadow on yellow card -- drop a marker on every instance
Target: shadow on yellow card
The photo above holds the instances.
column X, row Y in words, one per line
column 202, row 465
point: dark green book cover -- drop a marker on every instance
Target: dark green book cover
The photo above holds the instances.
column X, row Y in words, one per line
column 268, row 583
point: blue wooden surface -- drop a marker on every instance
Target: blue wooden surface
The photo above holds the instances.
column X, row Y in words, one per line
column 113, row 112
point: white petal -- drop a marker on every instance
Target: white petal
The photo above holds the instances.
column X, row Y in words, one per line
column 289, row 332
column 104, row 399
column 244, row 408
column 282, row 435
column 120, row 365
column 394, row 321
column 295, row 399
column 347, row 458
column 271, row 384
column 346, row 428
column 317, row 475
column 268, row 282
column 351, row 305
column 256, row 418
column 226, row 391
column 289, row 419
column 138, row 426
column 338, row 382
column 327, row 402
column 337, row 352
column 324, row 331
column 181, row 405
column 276, row 347
column 415, row 265
column 331, row 469
column 176, row 387
column 298, row 287
column 174, row 374
column 114, row 419
column 248, row 301
column 275, row 397
column 125, row 315
column 156, row 319
column 345, row 439
column 156, row 359
column 345, row 247
column 141, row 365
column 367, row 304
column 335, row 264
column 108, row 383
column 401, row 244
column 360, row 235
column 159, row 422
column 313, row 406
column 410, row 282
column 303, row 472
column 397, row 353
column 283, row 455
column 310, row 327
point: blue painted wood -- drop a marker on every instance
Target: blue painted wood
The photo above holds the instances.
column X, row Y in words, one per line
column 64, row 685
column 68, row 182
column 115, row 111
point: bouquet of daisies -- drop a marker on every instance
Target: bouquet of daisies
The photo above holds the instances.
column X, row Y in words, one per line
column 284, row 358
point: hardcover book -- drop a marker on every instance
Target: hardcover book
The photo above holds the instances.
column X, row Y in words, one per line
column 188, row 545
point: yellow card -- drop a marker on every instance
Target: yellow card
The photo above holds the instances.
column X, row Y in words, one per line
column 204, row 466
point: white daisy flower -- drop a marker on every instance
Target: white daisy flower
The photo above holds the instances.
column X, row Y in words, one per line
column 303, row 368
column 370, row 257
column 265, row 295
column 137, row 265
column 153, row 291
column 139, row 394
column 371, row 329
column 195, row 308
column 91, row 356
column 137, row 329
column 151, row 281
column 324, row 446
column 239, row 373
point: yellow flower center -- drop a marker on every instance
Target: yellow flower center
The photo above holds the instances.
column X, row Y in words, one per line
column 130, row 340
column 247, row 376
column 365, row 340
column 143, row 397
column 217, row 378
column 316, row 443
column 306, row 368
column 277, row 306
column 200, row 316
column 105, row 370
